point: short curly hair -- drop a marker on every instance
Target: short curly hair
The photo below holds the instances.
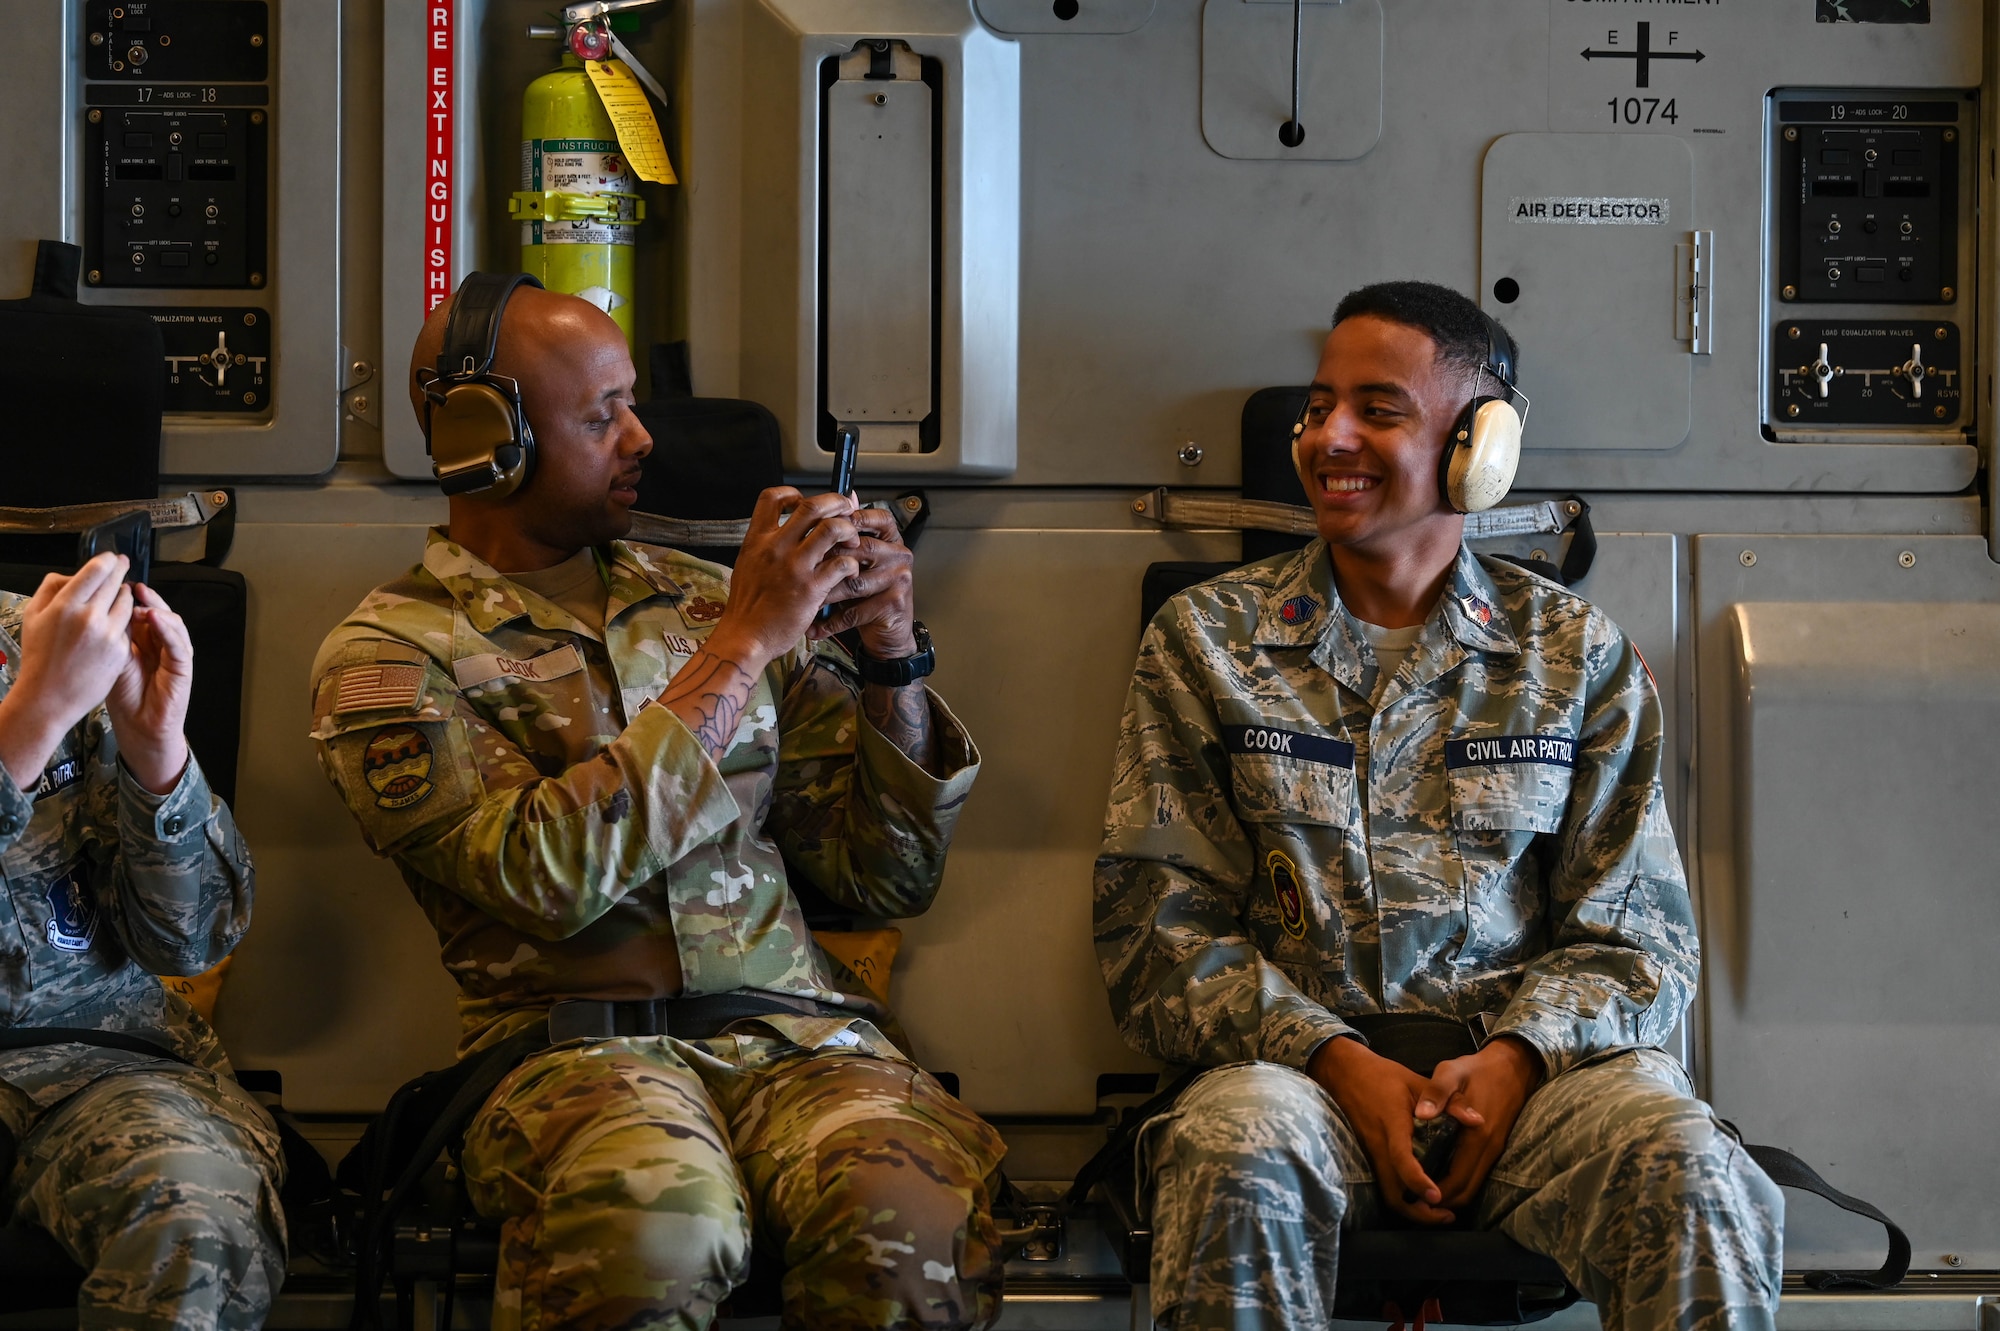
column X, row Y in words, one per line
column 1448, row 318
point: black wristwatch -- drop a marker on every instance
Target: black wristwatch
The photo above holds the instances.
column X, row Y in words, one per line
column 904, row 669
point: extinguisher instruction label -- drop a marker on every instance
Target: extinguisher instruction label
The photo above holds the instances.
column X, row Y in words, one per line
column 579, row 166
column 440, row 94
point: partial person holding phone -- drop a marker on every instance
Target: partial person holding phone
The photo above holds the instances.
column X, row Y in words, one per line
column 152, row 1170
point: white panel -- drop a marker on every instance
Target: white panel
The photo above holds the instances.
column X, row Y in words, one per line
column 1584, row 228
column 1849, row 698
column 1066, row 16
column 878, row 259
column 1246, row 78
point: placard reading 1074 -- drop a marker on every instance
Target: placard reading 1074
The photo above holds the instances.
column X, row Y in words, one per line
column 1643, row 111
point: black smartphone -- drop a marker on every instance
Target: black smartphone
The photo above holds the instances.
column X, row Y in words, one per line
column 129, row 534
column 846, row 445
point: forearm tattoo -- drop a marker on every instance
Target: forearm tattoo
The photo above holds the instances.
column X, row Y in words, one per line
column 903, row 717
column 709, row 695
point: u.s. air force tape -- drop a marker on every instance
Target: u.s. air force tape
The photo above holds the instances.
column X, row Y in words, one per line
column 1556, row 750
column 1288, row 744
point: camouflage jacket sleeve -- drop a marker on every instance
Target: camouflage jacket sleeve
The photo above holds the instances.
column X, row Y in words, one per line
column 862, row 823
column 1187, row 982
column 172, row 872
column 1622, row 966
column 544, row 854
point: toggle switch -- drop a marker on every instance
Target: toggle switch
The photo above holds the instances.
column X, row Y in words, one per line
column 1913, row 370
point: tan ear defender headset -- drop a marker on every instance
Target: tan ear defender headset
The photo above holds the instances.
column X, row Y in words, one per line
column 1483, row 448
column 474, row 427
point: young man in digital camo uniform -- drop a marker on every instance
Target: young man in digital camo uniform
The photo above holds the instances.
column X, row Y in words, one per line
column 159, row 1177
column 1304, row 830
column 595, row 754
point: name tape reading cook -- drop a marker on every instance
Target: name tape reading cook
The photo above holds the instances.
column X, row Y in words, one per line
column 1571, row 210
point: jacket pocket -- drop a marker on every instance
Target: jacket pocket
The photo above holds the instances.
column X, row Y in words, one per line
column 1509, row 783
column 1280, row 775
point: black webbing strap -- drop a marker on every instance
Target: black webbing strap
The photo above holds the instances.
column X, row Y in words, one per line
column 1788, row 1171
column 37, row 1037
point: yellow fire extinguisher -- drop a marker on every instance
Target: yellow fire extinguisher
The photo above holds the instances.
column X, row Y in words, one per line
column 577, row 204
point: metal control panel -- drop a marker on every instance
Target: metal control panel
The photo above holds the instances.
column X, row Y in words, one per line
column 1871, row 192
column 1858, row 372
column 218, row 357
column 1873, row 250
column 176, row 197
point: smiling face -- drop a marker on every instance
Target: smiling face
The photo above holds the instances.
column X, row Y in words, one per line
column 1375, row 428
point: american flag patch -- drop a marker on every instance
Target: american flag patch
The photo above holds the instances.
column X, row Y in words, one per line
column 365, row 688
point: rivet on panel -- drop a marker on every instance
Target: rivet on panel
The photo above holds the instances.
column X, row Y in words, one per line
column 1948, row 294
column 94, row 277
column 1908, row 559
column 1789, row 293
column 96, row 117
column 1190, row 454
column 1538, row 554
column 1748, row 559
column 1792, row 410
column 1138, row 505
column 1953, row 1259
column 250, row 319
column 1791, row 136
column 1940, row 333
column 1792, row 332
column 97, row 39
column 361, row 405
column 1951, row 136
column 256, row 39
column 220, row 498
column 249, row 399
column 1939, row 412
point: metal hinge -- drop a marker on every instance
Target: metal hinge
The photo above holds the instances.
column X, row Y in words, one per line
column 1694, row 292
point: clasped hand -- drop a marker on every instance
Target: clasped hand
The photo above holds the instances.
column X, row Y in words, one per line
column 802, row 553
column 1385, row 1101
column 87, row 638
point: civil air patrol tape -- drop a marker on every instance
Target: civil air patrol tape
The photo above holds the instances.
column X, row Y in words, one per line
column 1555, row 750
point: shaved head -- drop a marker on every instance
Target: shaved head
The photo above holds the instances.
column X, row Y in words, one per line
column 576, row 379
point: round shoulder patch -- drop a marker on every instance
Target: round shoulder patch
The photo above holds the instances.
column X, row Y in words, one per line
column 1286, row 886
column 397, row 765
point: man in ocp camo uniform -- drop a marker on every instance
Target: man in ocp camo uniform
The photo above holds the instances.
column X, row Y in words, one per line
column 1383, row 779
column 155, row 1172
column 593, row 761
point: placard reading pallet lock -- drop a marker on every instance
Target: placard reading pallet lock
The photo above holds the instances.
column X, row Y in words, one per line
column 441, row 93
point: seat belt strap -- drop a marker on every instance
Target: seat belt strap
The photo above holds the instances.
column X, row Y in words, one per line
column 1788, row 1171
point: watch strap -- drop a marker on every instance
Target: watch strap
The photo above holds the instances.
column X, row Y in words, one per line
column 903, row 669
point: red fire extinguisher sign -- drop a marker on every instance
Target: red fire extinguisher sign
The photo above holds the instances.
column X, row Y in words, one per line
column 440, row 84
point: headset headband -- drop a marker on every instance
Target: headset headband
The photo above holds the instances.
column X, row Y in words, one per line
column 1499, row 359
column 472, row 333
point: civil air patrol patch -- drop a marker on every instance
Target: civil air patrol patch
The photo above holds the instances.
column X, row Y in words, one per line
column 58, row 776
column 1555, row 750
column 1477, row 609
column 1298, row 610
column 72, row 913
column 701, row 610
column 397, row 766
column 1286, row 886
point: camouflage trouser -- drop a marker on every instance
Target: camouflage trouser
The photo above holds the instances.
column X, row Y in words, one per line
column 630, row 1174
column 1613, row 1169
column 162, row 1182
